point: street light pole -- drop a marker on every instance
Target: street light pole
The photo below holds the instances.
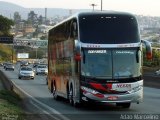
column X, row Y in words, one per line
column 36, row 52
column 13, row 53
column 101, row 4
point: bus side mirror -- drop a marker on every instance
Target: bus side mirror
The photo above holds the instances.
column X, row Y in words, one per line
column 77, row 53
column 74, row 30
column 77, row 57
column 148, row 49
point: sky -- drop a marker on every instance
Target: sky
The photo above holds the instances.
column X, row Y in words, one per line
column 140, row 7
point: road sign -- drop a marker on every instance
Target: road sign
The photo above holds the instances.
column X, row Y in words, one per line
column 30, row 42
column 6, row 40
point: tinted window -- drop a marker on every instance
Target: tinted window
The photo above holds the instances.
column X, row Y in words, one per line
column 111, row 63
column 96, row 63
column 42, row 66
column 26, row 69
column 111, row 29
column 125, row 63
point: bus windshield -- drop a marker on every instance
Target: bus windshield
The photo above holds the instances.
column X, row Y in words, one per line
column 108, row 29
column 112, row 64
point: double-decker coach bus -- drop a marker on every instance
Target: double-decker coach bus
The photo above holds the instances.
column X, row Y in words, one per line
column 97, row 56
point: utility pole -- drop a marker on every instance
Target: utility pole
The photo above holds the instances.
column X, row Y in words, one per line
column 45, row 16
column 93, row 5
column 101, row 4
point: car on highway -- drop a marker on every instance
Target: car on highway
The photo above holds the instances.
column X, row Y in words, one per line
column 4, row 64
column 1, row 64
column 26, row 72
column 41, row 69
column 35, row 64
column 23, row 63
column 9, row 66
column 157, row 72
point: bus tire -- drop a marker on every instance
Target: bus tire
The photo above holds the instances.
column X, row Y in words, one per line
column 71, row 95
column 54, row 91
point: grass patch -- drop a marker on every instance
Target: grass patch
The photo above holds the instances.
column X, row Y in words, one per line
column 10, row 106
column 150, row 69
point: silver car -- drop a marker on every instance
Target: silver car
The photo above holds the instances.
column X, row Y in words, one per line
column 42, row 69
column 26, row 72
column 157, row 72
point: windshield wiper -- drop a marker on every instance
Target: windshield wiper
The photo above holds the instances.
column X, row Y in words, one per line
column 84, row 56
column 98, row 77
column 124, row 76
column 137, row 55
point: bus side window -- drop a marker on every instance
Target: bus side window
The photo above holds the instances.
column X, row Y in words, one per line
column 73, row 30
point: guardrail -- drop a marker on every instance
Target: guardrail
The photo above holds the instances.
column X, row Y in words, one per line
column 6, row 82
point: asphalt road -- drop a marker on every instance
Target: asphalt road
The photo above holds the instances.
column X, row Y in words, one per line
column 151, row 80
column 38, row 90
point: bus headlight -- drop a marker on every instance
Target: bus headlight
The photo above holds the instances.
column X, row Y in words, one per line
column 135, row 89
column 89, row 90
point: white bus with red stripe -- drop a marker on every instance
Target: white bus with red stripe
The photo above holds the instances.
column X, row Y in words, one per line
column 97, row 56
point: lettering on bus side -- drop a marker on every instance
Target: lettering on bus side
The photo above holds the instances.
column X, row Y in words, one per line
column 123, row 85
column 97, row 51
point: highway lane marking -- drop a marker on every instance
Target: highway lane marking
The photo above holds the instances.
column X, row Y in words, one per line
column 42, row 104
column 55, row 118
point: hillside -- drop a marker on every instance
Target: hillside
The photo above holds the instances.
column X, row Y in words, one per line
column 8, row 9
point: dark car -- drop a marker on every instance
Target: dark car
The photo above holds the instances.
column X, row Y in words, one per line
column 35, row 64
column 23, row 63
column 4, row 64
column 9, row 66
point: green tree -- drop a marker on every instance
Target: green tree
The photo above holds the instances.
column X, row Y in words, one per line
column 5, row 25
column 6, row 53
column 155, row 58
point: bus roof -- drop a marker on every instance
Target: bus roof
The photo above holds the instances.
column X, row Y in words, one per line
column 94, row 13
column 104, row 13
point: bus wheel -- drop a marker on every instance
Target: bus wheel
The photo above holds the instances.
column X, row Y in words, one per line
column 71, row 95
column 124, row 105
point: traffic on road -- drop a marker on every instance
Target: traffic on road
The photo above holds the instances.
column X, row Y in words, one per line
column 38, row 91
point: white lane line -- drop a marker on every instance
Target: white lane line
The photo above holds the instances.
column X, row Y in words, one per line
column 55, row 118
column 42, row 104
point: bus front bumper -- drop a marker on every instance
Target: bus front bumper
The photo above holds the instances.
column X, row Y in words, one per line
column 134, row 96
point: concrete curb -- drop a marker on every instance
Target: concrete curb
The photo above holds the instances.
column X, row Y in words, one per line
column 7, row 84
